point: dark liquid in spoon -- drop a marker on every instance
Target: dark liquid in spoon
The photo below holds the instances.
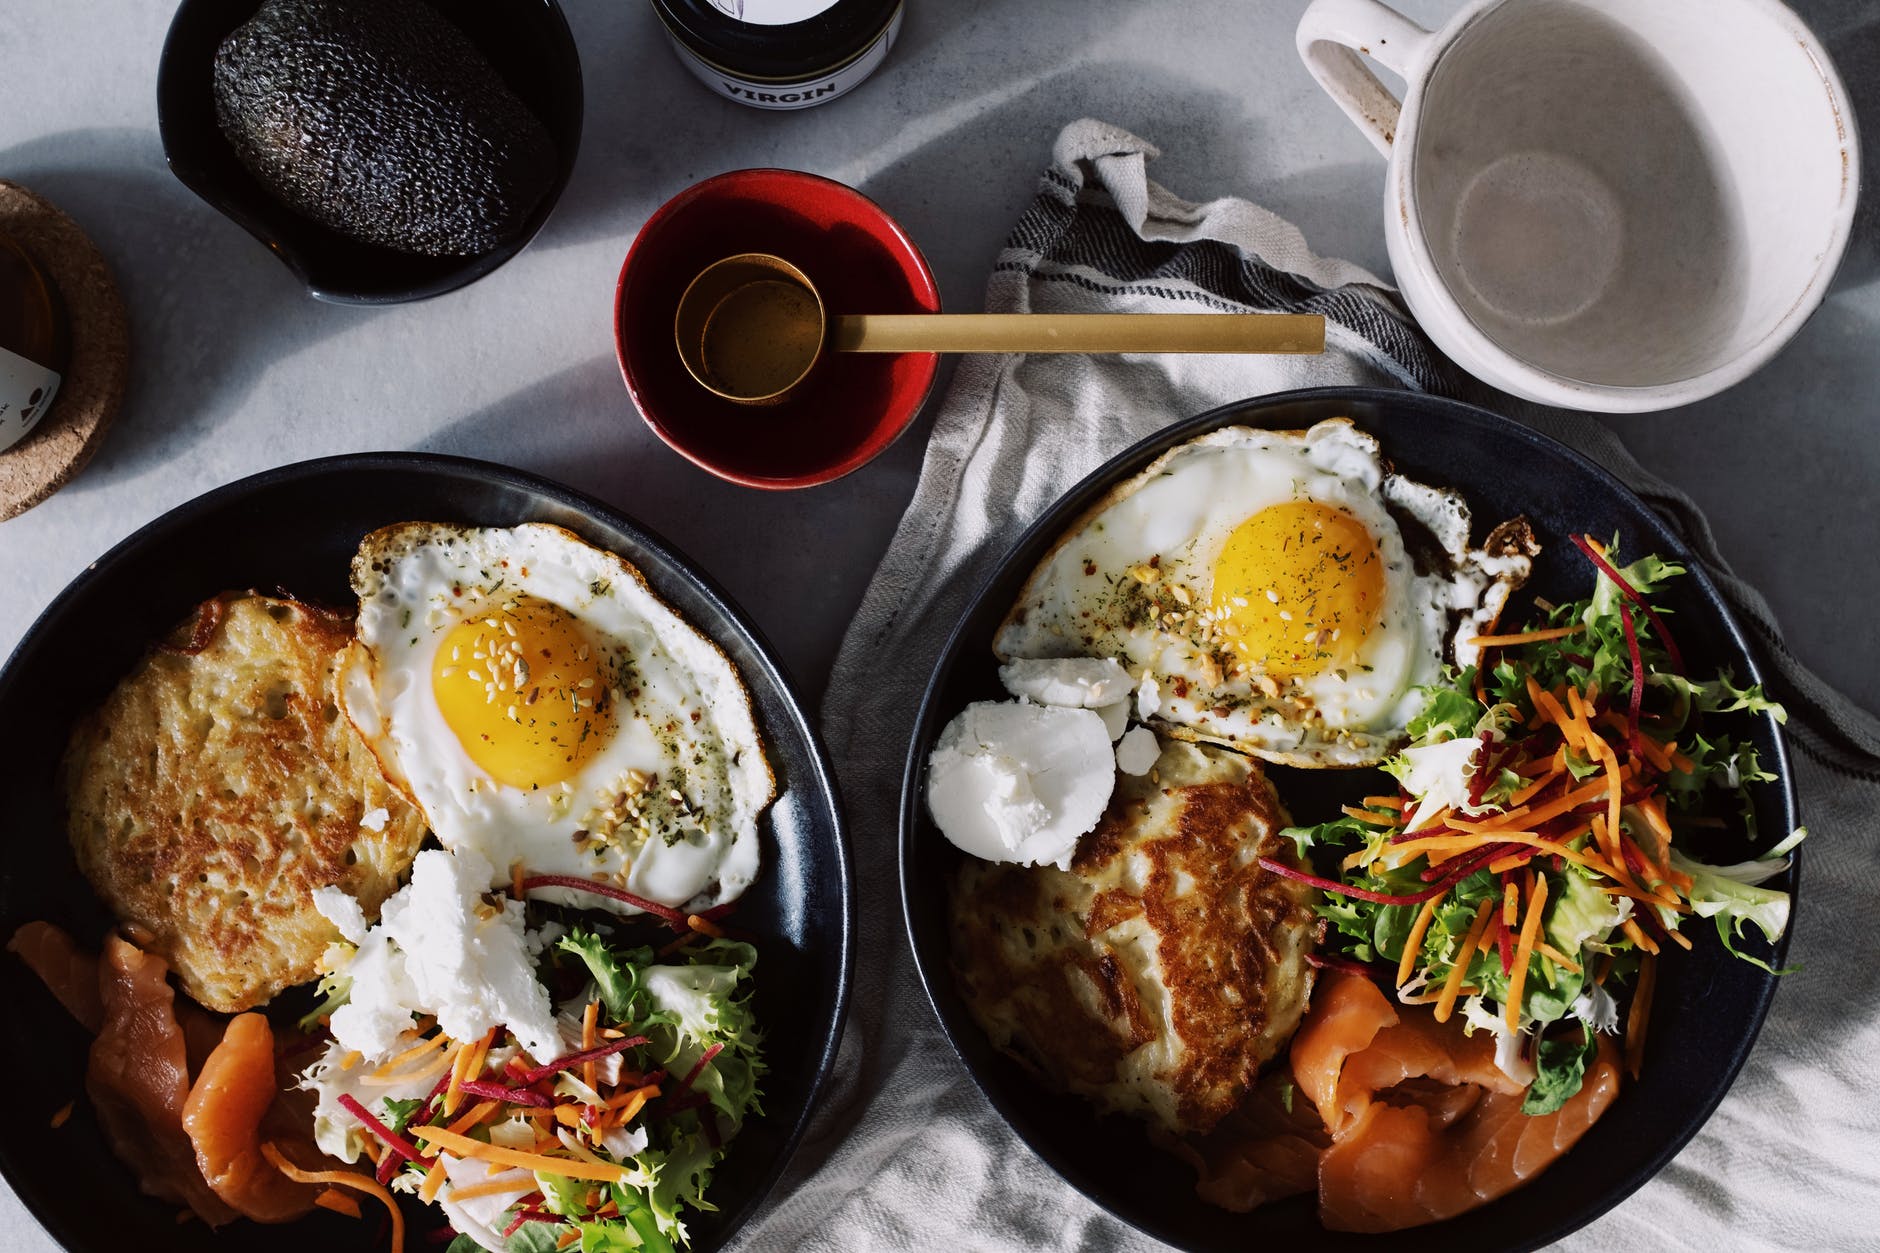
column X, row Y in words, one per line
column 761, row 338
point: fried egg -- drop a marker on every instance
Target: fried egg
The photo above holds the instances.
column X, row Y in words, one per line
column 1279, row 592
column 545, row 709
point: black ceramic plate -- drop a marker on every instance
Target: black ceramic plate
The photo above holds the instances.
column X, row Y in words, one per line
column 1708, row 1006
column 296, row 528
column 526, row 41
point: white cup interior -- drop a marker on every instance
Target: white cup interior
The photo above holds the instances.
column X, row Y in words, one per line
column 1628, row 193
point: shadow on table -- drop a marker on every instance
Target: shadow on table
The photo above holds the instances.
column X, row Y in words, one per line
column 209, row 309
column 579, row 427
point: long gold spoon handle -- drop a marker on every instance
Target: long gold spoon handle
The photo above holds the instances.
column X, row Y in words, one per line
column 1080, row 332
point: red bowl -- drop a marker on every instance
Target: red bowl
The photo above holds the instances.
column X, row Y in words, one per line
column 854, row 405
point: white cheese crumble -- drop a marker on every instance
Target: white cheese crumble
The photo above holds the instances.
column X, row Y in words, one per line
column 440, row 948
column 343, row 912
column 1073, row 682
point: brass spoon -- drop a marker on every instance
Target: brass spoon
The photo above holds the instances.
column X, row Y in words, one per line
column 751, row 328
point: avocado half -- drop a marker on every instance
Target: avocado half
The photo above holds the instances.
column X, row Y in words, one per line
column 381, row 120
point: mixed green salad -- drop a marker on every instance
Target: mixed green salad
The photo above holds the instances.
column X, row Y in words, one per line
column 1537, row 855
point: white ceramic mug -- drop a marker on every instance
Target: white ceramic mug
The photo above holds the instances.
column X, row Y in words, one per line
column 1616, row 205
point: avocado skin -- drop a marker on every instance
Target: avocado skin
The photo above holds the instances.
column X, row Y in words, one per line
column 381, row 120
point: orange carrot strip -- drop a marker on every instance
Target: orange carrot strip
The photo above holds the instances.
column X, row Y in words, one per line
column 1654, row 752
column 1524, row 950
column 1510, row 905
column 430, row 1071
column 1631, row 928
column 1549, row 709
column 1413, row 943
column 338, row 1202
column 516, row 876
column 1452, row 986
column 491, row 1187
column 704, row 926
column 1533, row 789
column 1366, row 816
column 411, row 1054
column 1539, row 636
column 1557, row 957
column 1384, row 802
column 1453, row 844
column 474, row 1115
column 345, row 1179
column 464, row 1146
column 589, row 1018
column 1639, row 1015
column 350, row 1059
column 434, row 1181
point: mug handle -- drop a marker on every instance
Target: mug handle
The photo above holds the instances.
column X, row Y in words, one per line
column 1332, row 34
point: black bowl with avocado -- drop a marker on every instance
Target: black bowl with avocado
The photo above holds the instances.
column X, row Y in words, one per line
column 264, row 135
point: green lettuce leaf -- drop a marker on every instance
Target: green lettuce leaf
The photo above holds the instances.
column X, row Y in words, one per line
column 1560, row 1069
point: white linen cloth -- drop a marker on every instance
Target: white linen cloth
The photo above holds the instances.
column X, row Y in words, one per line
column 907, row 1153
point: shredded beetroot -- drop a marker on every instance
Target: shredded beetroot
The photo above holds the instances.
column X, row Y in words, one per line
column 1504, row 944
column 1462, row 867
column 1585, row 545
column 388, row 1166
column 674, row 1106
column 1364, row 894
column 1478, row 781
column 671, row 916
column 1638, row 681
column 498, row 1092
column 437, row 1235
column 531, row 1216
column 527, row 1077
column 698, row 1067
column 397, row 1143
column 1634, row 858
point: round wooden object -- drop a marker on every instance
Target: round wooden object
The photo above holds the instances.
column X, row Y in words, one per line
column 93, row 386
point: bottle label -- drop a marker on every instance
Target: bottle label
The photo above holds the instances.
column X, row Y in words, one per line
column 803, row 94
column 772, row 12
column 26, row 392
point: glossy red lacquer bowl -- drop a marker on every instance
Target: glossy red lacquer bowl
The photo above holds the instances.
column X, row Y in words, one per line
column 854, row 405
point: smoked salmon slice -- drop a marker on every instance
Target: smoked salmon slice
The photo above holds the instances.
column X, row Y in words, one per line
column 1423, row 1125
column 224, row 1116
column 69, row 973
column 138, row 1079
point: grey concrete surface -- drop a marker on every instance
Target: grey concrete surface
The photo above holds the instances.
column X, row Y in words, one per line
column 237, row 370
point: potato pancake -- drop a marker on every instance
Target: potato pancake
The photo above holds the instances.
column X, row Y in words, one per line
column 219, row 785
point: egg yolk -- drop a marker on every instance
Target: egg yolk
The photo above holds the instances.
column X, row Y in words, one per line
column 1298, row 587
column 524, row 692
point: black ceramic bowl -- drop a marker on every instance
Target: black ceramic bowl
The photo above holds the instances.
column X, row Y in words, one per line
column 296, row 528
column 528, row 43
column 1708, row 1005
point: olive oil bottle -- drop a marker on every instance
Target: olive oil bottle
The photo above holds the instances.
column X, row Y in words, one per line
column 35, row 342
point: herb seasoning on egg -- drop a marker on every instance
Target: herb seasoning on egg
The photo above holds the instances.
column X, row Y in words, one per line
column 781, row 54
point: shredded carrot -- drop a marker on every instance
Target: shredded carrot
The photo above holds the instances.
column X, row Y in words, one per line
column 590, row 1017
column 628, row 1112
column 411, row 1054
column 1639, row 1015
column 345, row 1179
column 516, row 876
column 1555, row 956
column 1513, row 861
column 350, row 1059
column 505, row 1181
column 1599, row 748
column 1654, row 752
column 1523, row 950
column 1413, row 943
column 568, row 1238
column 568, row 1115
column 1467, row 989
column 1452, row 986
column 1676, row 907
column 1366, row 816
column 430, row 1071
column 1534, row 818
column 1549, row 710
column 1540, row 636
column 1653, row 810
column 64, row 1112
column 453, row 1092
column 705, row 926
column 1510, row 905
column 474, row 1115
column 434, row 1181
column 1463, row 843
column 1535, row 788
column 1384, row 802
column 466, row 1147
column 338, row 1202
column 1679, row 762
column 1631, row 928
column 1677, row 937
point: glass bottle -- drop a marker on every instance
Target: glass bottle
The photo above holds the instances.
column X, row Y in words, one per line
column 35, row 342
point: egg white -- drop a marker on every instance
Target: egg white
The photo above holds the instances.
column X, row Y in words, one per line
column 681, row 717
column 1133, row 581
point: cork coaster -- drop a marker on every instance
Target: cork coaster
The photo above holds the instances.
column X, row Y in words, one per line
column 93, row 386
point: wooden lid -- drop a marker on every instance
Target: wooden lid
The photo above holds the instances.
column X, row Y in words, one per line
column 93, row 386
